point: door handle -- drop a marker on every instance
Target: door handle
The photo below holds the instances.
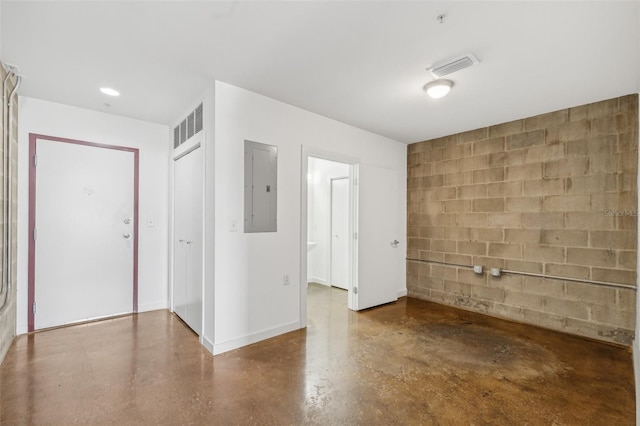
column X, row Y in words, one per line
column 395, row 243
column 126, row 235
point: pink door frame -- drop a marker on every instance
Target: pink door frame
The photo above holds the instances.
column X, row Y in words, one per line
column 32, row 214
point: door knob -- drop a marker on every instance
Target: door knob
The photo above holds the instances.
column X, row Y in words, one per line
column 126, row 235
column 127, row 221
column 395, row 243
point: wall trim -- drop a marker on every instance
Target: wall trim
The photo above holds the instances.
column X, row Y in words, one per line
column 153, row 306
column 229, row 345
column 208, row 344
column 317, row 281
column 402, row 293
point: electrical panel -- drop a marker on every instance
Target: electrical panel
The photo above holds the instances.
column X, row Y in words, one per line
column 260, row 187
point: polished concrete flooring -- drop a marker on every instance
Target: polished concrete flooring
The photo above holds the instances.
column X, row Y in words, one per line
column 411, row 362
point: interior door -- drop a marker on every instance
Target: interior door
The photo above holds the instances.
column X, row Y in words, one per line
column 182, row 224
column 83, row 253
column 340, row 232
column 379, row 258
column 187, row 279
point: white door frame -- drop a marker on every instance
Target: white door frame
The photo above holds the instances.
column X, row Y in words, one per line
column 353, row 222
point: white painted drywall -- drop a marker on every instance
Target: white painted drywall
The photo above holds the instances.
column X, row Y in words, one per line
column 251, row 302
column 319, row 216
column 43, row 117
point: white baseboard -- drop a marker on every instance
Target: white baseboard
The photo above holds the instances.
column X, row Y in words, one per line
column 21, row 328
column 317, row 280
column 208, row 344
column 229, row 345
column 152, row 306
column 402, row 293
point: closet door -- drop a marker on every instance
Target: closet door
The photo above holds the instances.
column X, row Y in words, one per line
column 182, row 207
column 340, row 233
column 194, row 248
column 187, row 268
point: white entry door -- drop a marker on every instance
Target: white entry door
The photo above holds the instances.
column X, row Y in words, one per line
column 340, row 232
column 187, row 245
column 84, row 233
column 379, row 258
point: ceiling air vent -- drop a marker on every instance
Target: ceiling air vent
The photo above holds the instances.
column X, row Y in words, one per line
column 453, row 65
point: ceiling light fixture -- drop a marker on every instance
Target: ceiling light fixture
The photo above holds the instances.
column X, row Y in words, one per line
column 438, row 88
column 109, row 91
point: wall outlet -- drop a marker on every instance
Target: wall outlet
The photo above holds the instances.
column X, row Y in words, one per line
column 285, row 279
column 496, row 272
column 477, row 269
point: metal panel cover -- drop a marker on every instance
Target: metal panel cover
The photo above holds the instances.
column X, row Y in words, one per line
column 260, row 187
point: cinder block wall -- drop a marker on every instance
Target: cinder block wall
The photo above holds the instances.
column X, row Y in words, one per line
column 553, row 194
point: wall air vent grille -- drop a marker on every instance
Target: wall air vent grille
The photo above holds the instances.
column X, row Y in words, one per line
column 191, row 125
column 183, row 131
column 199, row 118
column 191, row 121
column 176, row 137
column 453, row 65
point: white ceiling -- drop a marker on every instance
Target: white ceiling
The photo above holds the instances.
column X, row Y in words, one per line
column 362, row 63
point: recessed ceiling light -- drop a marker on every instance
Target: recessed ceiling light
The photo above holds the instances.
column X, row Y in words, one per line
column 109, row 91
column 438, row 88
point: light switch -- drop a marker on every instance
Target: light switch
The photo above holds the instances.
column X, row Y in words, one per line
column 233, row 226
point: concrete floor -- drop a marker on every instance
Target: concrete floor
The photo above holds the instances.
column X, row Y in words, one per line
column 411, row 362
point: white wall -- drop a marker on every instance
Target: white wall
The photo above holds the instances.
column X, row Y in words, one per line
column 319, row 213
column 251, row 302
column 48, row 118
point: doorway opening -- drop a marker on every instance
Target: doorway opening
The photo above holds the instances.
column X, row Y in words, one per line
column 330, row 227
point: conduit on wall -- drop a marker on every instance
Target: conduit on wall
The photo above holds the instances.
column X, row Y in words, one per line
column 532, row 274
column 7, row 183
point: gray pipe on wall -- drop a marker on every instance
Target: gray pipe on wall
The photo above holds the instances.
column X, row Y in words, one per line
column 7, row 168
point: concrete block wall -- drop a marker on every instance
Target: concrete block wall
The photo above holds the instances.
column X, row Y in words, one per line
column 8, row 312
column 553, row 194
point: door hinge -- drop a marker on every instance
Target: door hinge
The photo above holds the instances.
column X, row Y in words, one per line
column 34, row 307
column 35, row 161
column 355, row 235
column 35, row 234
column 355, row 181
column 355, row 290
